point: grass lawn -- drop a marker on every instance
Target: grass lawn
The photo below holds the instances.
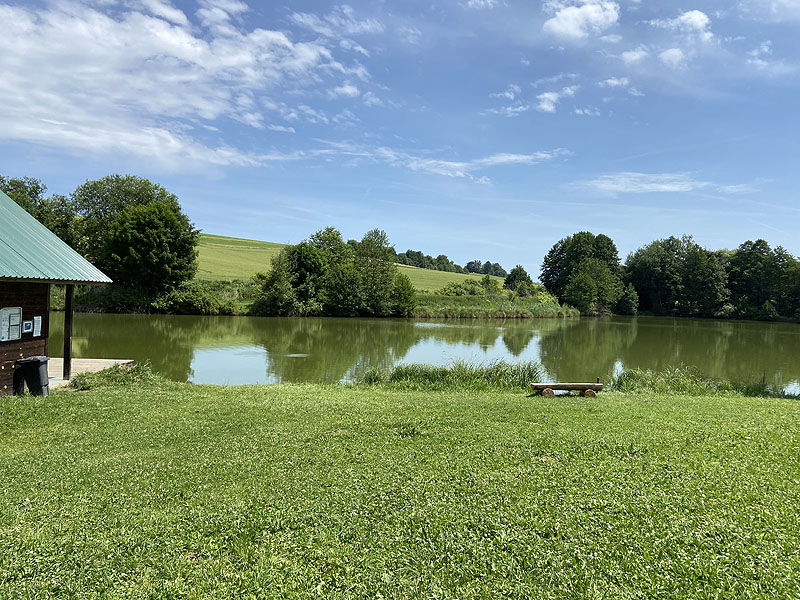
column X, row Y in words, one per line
column 225, row 259
column 182, row 491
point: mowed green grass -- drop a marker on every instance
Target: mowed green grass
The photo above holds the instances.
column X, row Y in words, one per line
column 225, row 259
column 190, row 491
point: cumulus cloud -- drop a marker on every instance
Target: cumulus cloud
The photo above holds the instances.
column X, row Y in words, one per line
column 578, row 19
column 693, row 22
column 548, row 101
column 673, row 57
column 141, row 80
column 634, row 56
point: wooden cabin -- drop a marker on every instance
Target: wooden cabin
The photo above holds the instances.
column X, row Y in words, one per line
column 32, row 258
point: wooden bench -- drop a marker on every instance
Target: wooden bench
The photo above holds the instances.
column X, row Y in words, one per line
column 586, row 389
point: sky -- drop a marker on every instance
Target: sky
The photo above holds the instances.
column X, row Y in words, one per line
column 480, row 129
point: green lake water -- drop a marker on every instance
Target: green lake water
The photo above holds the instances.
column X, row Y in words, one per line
column 237, row 350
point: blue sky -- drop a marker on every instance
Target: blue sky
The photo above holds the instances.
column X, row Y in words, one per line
column 482, row 129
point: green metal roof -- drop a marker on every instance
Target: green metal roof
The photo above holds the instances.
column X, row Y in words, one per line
column 31, row 252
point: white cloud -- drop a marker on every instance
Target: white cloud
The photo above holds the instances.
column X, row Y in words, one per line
column 450, row 168
column 759, row 59
column 513, row 110
column 648, row 183
column 371, row 99
column 141, row 77
column 281, row 128
column 589, row 111
column 347, row 44
column 693, row 22
column 510, row 93
column 482, row 3
column 673, row 58
column 613, row 82
column 555, row 78
column 340, row 22
column 635, row 56
column 346, row 90
column 549, row 100
column 410, row 35
column 165, row 10
column 775, row 11
column 577, row 19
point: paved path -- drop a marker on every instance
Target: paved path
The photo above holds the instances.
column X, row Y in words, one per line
column 55, row 367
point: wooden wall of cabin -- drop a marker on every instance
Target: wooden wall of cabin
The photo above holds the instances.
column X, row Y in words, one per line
column 34, row 299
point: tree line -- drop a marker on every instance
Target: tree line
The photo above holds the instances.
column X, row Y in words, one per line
column 674, row 277
column 136, row 232
column 416, row 258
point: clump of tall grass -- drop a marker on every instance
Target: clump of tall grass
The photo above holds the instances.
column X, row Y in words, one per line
column 459, row 375
column 688, row 381
column 435, row 306
column 139, row 373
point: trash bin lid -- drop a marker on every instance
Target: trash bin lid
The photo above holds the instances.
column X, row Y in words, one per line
column 31, row 359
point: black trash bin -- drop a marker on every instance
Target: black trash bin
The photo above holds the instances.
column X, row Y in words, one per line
column 34, row 369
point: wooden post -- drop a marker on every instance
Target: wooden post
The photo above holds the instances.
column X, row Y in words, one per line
column 69, row 294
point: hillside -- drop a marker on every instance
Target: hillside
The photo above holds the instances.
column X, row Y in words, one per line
column 226, row 258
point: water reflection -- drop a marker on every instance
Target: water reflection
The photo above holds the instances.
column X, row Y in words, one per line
column 233, row 350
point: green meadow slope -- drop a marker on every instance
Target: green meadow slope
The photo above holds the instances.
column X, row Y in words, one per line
column 225, row 259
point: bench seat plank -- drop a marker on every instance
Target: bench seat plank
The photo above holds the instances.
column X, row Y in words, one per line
column 597, row 387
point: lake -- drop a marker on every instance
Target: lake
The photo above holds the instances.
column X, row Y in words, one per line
column 238, row 350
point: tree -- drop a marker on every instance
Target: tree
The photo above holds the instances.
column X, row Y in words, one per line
column 277, row 297
column 656, row 272
column 753, row 273
column 703, row 289
column 101, row 201
column 342, row 291
column 375, row 260
column 593, row 287
column 404, row 296
column 518, row 277
column 628, row 303
column 57, row 212
column 150, row 248
column 323, row 275
column 567, row 254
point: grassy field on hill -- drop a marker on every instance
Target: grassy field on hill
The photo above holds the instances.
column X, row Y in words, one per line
column 225, row 259
column 163, row 490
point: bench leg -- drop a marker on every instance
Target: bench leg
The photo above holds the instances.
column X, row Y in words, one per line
column 548, row 392
column 590, row 393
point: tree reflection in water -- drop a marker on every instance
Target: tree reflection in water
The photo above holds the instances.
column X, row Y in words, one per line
column 330, row 350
